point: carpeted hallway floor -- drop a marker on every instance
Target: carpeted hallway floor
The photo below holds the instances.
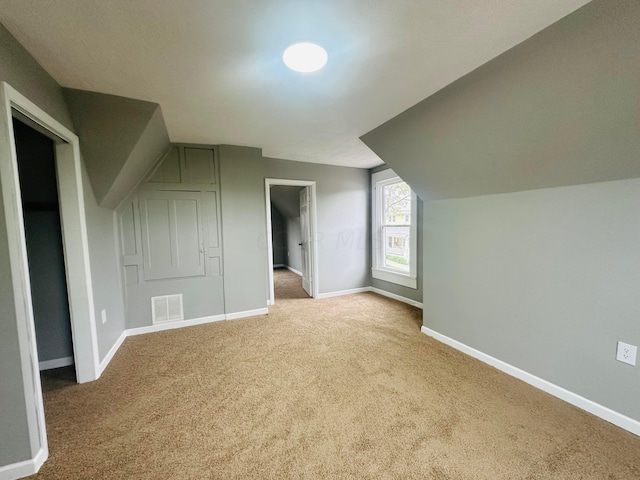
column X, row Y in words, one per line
column 345, row 387
column 288, row 285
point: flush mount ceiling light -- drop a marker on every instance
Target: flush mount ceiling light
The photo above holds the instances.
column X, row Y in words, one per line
column 305, row 57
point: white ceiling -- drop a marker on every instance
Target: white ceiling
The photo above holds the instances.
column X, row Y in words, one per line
column 215, row 66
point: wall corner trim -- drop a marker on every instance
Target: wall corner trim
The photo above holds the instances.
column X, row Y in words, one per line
column 55, row 363
column 297, row 272
column 24, row 468
column 605, row 413
column 340, row 293
column 159, row 327
column 400, row 298
column 378, row 291
column 247, row 313
column 112, row 351
column 170, row 326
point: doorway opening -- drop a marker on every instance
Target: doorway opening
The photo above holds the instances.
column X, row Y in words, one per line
column 26, row 373
column 291, row 239
column 45, row 252
column 286, row 238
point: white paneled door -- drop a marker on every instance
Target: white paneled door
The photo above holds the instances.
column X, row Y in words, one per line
column 305, row 230
column 172, row 234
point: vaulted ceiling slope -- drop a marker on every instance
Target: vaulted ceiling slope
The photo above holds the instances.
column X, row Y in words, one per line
column 120, row 139
column 287, row 200
column 562, row 108
column 215, row 66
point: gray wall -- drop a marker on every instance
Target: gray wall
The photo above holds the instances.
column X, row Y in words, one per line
column 20, row 70
column 546, row 280
column 48, row 285
column 23, row 73
column 107, row 283
column 343, row 227
column 202, row 297
column 406, row 292
column 203, row 293
column 278, row 236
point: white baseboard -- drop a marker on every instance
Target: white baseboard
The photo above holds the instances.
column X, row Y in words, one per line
column 339, row 293
column 55, row 363
column 25, row 468
column 374, row 290
column 159, row 327
column 170, row 326
column 229, row 316
column 590, row 406
column 247, row 313
column 395, row 297
column 112, row 351
column 292, row 270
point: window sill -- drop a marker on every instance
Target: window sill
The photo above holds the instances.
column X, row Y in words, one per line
column 397, row 278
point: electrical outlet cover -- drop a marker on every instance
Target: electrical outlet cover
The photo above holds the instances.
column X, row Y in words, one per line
column 627, row 353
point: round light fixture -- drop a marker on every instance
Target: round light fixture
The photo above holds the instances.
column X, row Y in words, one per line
column 305, row 57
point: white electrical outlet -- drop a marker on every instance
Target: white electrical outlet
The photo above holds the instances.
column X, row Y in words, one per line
column 104, row 316
column 627, row 353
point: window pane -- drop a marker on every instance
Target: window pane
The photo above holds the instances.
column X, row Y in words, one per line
column 396, row 200
column 396, row 248
column 396, row 218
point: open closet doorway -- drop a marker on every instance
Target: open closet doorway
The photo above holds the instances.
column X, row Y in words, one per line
column 291, row 238
column 45, row 252
column 26, row 373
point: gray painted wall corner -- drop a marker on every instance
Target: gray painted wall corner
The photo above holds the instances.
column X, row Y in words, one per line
column 105, row 275
column 243, row 228
column 344, row 235
column 21, row 71
column 545, row 280
column 343, row 231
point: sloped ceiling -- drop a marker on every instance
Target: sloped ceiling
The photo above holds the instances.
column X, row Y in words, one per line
column 562, row 108
column 120, row 140
column 287, row 200
column 215, row 66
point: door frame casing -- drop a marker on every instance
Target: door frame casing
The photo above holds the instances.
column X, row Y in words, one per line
column 76, row 256
column 268, row 183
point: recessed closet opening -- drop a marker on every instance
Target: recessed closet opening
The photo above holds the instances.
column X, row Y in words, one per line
column 45, row 251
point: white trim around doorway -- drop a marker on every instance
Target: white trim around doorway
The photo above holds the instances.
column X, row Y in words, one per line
column 76, row 255
column 268, row 182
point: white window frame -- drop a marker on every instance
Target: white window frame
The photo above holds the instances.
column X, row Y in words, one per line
column 378, row 270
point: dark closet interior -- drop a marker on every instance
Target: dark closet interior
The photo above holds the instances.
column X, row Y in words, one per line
column 41, row 208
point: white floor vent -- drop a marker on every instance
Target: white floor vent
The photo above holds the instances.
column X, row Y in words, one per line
column 167, row 308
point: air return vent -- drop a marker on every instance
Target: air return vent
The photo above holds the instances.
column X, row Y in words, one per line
column 167, row 308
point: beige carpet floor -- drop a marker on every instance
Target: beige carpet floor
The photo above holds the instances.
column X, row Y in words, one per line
column 343, row 388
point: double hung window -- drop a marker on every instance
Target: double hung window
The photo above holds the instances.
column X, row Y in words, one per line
column 394, row 229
